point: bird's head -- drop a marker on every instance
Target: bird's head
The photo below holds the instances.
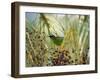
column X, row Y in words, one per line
column 52, row 36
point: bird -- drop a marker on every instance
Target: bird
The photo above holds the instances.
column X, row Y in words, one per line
column 56, row 40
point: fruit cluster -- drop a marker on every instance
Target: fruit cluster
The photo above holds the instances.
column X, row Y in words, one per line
column 61, row 57
column 35, row 48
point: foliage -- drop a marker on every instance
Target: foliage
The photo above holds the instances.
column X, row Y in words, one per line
column 57, row 39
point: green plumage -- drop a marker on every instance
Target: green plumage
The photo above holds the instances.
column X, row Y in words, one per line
column 56, row 40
